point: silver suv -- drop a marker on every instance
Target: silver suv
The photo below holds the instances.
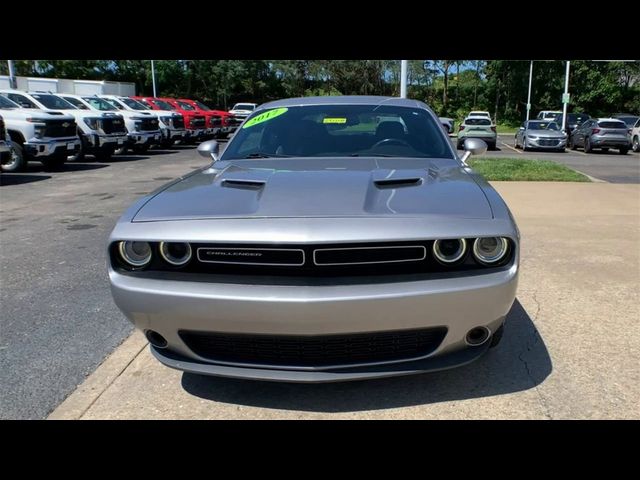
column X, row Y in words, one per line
column 602, row 133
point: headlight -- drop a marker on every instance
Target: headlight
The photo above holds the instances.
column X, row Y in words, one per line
column 39, row 130
column 92, row 123
column 166, row 121
column 136, row 254
column 137, row 125
column 450, row 250
column 532, row 137
column 490, row 250
column 175, row 253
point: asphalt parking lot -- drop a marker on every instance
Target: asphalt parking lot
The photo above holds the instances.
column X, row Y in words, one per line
column 59, row 321
column 58, row 318
column 610, row 167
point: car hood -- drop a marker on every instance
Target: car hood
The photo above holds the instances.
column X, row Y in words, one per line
column 335, row 187
column 545, row 133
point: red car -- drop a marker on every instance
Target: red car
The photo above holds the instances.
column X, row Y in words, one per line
column 228, row 123
column 194, row 122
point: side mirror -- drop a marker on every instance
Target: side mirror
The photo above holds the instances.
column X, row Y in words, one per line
column 209, row 149
column 521, row 128
column 473, row 146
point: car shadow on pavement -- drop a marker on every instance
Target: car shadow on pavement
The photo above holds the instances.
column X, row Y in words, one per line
column 19, row 179
column 126, row 158
column 66, row 167
column 520, row 362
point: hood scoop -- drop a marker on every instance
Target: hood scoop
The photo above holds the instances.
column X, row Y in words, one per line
column 243, row 184
column 398, row 182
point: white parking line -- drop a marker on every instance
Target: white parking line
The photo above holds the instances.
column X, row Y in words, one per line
column 509, row 146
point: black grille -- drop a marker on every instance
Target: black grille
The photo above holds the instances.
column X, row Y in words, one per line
column 215, row 121
column 60, row 128
column 147, row 124
column 178, row 122
column 314, row 351
column 197, row 122
column 112, row 125
column 548, row 142
column 363, row 255
column 234, row 121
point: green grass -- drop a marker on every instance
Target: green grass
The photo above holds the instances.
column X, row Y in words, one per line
column 517, row 169
column 500, row 128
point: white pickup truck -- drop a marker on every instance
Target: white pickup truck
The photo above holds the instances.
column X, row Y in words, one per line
column 46, row 136
column 5, row 144
column 100, row 133
column 170, row 123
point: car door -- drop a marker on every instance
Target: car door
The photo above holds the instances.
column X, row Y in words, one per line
column 520, row 133
column 578, row 134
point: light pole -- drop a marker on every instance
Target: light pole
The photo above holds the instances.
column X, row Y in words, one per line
column 12, row 75
column 565, row 97
column 153, row 78
column 403, row 78
column 529, row 95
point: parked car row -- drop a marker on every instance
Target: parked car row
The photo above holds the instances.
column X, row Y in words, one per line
column 56, row 127
column 478, row 124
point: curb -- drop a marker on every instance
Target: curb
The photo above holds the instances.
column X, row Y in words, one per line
column 87, row 393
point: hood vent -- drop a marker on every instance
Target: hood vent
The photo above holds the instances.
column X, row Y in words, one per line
column 244, row 184
column 398, row 182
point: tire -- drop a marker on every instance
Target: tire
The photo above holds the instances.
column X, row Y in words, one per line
column 491, row 146
column 18, row 162
column 524, row 146
column 54, row 163
column 587, row 145
column 166, row 144
column 572, row 144
column 140, row 149
column 103, row 155
column 605, row 149
column 636, row 144
column 623, row 150
column 515, row 142
column 459, row 145
column 496, row 337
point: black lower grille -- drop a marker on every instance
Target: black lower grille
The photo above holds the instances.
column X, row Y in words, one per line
column 60, row 128
column 314, row 351
column 112, row 125
column 548, row 143
column 234, row 121
column 215, row 121
column 197, row 122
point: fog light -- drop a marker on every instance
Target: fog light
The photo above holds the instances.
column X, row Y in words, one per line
column 450, row 250
column 490, row 250
column 136, row 254
column 175, row 253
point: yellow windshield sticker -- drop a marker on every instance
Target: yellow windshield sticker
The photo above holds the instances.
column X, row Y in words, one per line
column 265, row 117
column 334, row 120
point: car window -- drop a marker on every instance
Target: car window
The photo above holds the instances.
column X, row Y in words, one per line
column 6, row 103
column 53, row 101
column 340, row 130
column 163, row 105
column 185, row 105
column 612, row 124
column 133, row 104
column 102, row 104
column 76, row 103
column 21, row 100
column 477, row 121
column 542, row 125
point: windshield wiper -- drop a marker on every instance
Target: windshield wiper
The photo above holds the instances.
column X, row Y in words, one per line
column 264, row 155
column 370, row 155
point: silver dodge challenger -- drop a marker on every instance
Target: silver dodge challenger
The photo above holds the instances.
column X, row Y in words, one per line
column 336, row 238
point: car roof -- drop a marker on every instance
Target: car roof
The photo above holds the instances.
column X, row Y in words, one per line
column 343, row 100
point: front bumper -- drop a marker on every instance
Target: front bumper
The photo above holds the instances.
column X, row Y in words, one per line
column 106, row 142
column 492, row 139
column 460, row 304
column 196, row 134
column 144, row 138
column 173, row 133
column 546, row 144
column 52, row 147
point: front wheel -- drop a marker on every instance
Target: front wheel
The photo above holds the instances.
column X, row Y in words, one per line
column 140, row 148
column 572, row 144
column 18, row 162
column 587, row 145
column 459, row 146
column 636, row 144
column 103, row 155
column 623, row 150
column 79, row 156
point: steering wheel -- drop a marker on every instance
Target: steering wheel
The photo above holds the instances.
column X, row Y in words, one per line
column 397, row 141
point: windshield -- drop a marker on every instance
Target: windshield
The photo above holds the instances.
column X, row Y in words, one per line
column 185, row 106
column 629, row 120
column 543, row 126
column 202, row 105
column 163, row 105
column 576, row 117
column 547, row 115
column 244, row 106
column 117, row 105
column 133, row 104
column 53, row 101
column 101, row 104
column 339, row 131
column 76, row 103
column 477, row 121
column 6, row 103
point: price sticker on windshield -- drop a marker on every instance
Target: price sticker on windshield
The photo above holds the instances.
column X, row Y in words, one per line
column 265, row 117
column 334, row 120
